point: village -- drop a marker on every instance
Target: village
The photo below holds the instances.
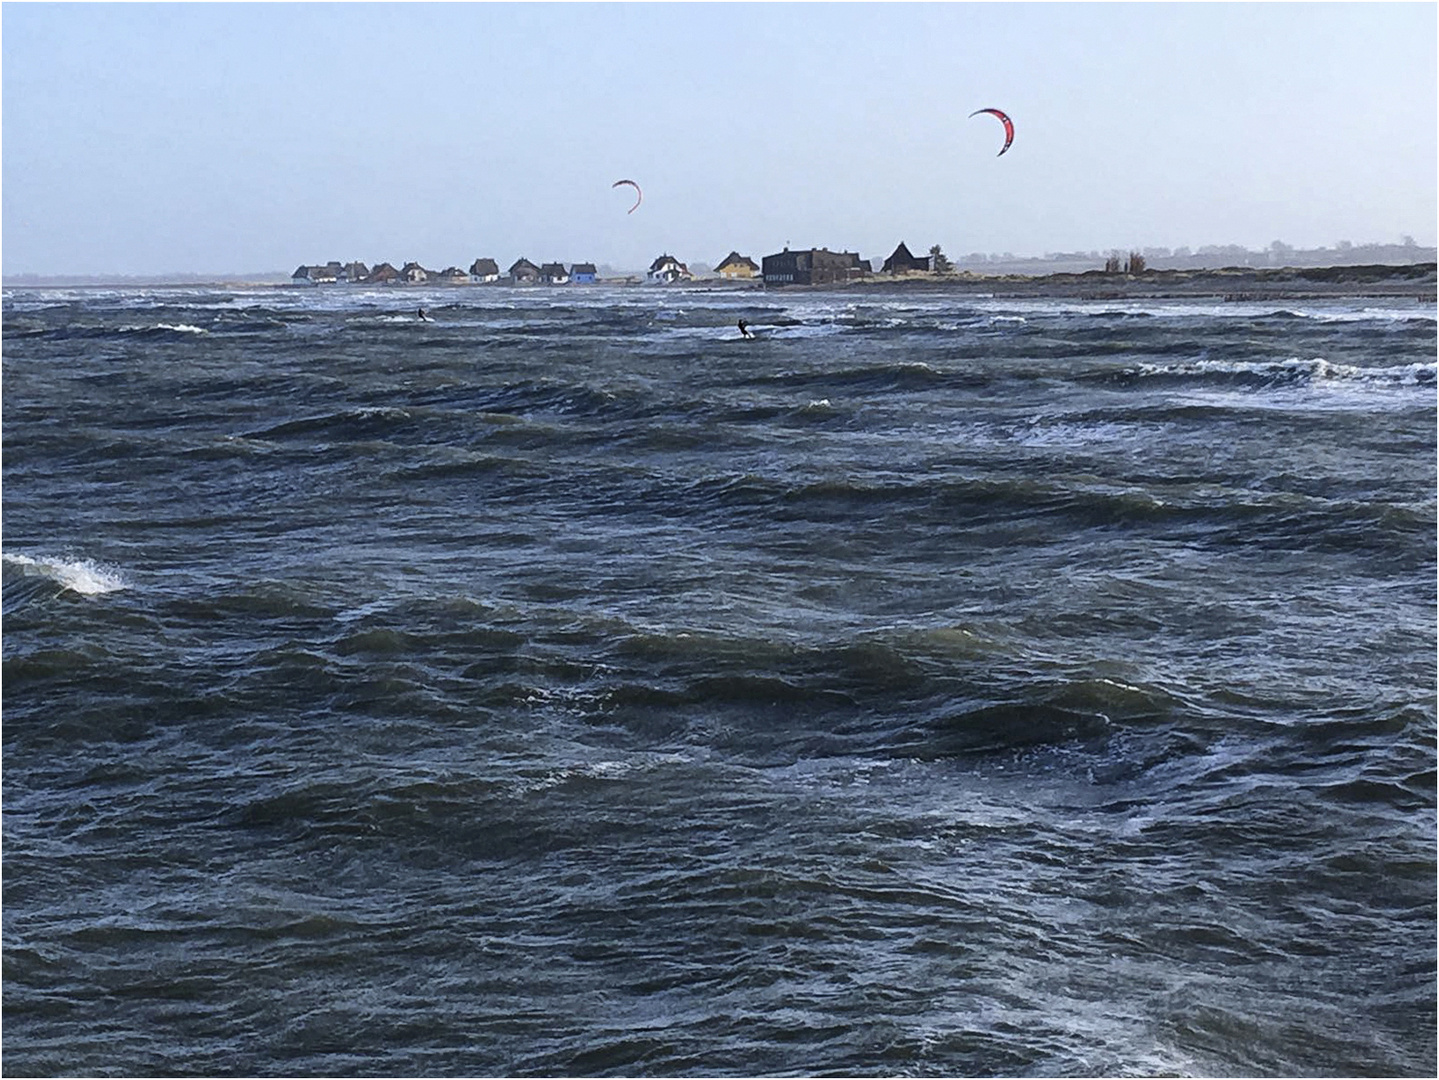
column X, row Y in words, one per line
column 1370, row 270
column 809, row 266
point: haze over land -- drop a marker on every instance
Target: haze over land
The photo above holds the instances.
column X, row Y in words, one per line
column 236, row 140
column 1208, row 257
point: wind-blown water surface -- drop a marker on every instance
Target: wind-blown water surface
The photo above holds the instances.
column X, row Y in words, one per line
column 934, row 685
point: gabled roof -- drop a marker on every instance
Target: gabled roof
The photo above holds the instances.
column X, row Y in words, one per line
column 904, row 260
column 664, row 260
column 734, row 258
column 583, row 268
column 554, row 269
column 484, row 266
column 522, row 264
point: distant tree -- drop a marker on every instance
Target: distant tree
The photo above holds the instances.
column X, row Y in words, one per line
column 1407, row 240
column 1112, row 264
column 1135, row 265
column 938, row 262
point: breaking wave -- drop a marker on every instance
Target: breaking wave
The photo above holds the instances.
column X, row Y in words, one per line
column 80, row 576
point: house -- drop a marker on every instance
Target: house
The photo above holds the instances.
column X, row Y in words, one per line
column 813, row 266
column 317, row 275
column 415, row 274
column 524, row 272
column 554, row 274
column 484, row 271
column 384, row 274
column 734, row 265
column 902, row 262
column 583, row 273
column 452, row 275
column 354, row 272
column 667, row 270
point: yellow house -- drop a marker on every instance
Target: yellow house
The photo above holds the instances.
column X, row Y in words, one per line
column 735, row 265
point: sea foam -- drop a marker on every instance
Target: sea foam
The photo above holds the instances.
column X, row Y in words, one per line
column 81, row 576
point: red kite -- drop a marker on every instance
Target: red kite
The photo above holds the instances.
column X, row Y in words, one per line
column 1006, row 121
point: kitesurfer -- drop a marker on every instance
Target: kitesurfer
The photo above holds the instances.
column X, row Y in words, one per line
column 744, row 329
column 423, row 316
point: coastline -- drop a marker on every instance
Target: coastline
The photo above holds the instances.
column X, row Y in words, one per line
column 1413, row 281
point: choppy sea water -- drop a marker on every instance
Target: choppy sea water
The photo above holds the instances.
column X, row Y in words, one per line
column 935, row 685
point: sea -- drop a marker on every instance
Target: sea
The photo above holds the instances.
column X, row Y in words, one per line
column 937, row 684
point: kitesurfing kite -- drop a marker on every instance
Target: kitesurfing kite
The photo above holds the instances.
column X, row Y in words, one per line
column 639, row 195
column 1008, row 127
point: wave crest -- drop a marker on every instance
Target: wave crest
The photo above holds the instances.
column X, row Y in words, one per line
column 80, row 576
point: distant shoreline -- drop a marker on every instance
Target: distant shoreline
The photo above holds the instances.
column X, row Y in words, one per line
column 1416, row 281
column 1411, row 281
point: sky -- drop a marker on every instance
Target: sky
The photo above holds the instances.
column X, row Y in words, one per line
column 253, row 137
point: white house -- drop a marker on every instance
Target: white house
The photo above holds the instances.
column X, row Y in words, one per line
column 667, row 270
column 318, row 275
column 484, row 271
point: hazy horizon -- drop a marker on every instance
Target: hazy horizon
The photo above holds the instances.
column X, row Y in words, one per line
column 1049, row 262
column 157, row 139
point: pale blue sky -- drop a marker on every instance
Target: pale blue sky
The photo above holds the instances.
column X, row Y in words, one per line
column 140, row 138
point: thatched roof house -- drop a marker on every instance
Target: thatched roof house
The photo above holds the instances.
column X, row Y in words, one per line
column 384, row 274
column 524, row 272
column 902, row 262
column 735, row 265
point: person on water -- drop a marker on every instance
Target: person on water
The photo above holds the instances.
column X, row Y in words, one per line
column 423, row 316
column 744, row 329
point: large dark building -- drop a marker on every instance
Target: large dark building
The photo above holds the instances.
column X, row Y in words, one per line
column 813, row 266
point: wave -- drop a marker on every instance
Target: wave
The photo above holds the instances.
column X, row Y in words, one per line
column 1292, row 370
column 156, row 331
column 172, row 328
column 82, row 576
column 353, row 423
column 1210, row 311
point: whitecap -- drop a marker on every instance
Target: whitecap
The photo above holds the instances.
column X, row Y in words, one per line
column 1315, row 368
column 81, row 576
column 173, row 328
